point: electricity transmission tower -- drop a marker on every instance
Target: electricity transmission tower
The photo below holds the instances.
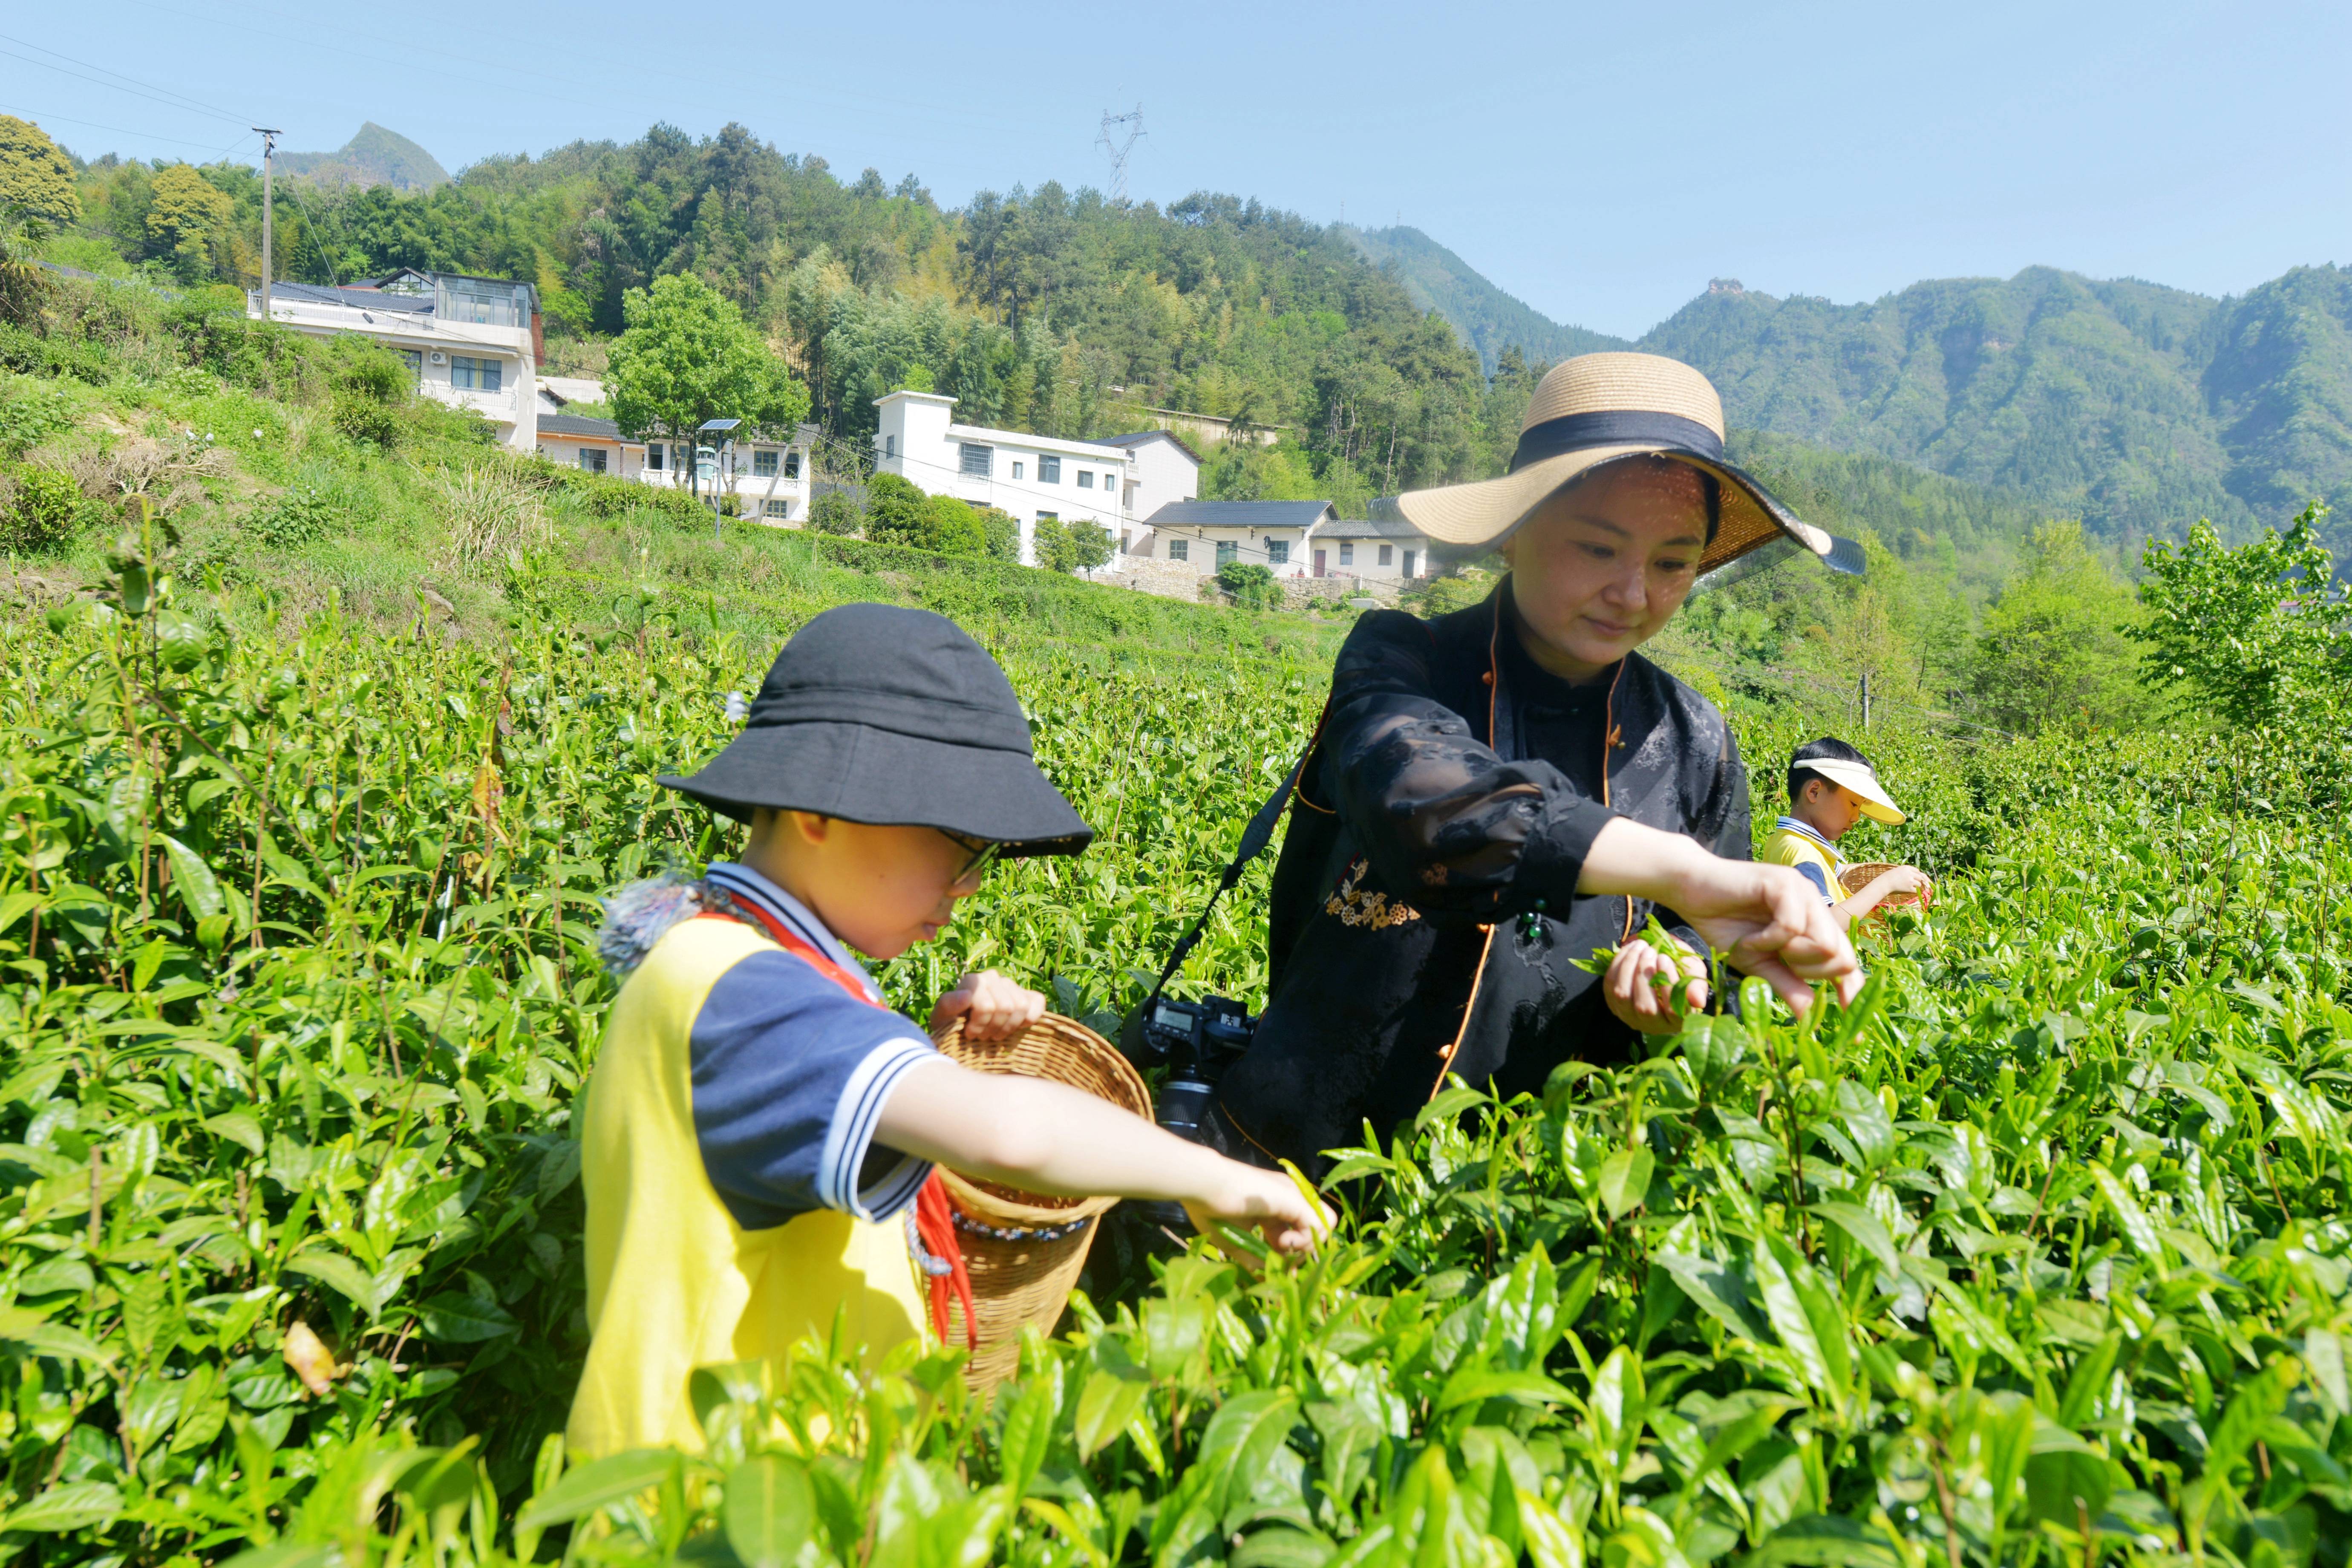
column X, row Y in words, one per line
column 1132, row 123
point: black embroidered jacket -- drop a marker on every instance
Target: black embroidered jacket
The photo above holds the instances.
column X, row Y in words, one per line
column 1424, row 918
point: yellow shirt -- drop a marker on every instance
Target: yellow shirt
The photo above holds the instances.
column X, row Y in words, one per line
column 1794, row 842
column 674, row 1282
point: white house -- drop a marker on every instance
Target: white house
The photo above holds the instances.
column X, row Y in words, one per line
column 1280, row 535
column 471, row 341
column 1378, row 551
column 770, row 477
column 595, row 444
column 558, row 391
column 1165, row 468
column 1033, row 478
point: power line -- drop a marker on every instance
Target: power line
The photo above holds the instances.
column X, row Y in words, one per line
column 36, row 114
column 138, row 88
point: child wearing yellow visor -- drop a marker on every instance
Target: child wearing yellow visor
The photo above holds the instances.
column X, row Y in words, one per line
column 1832, row 786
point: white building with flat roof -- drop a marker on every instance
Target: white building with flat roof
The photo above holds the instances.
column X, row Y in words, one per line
column 1115, row 483
column 471, row 341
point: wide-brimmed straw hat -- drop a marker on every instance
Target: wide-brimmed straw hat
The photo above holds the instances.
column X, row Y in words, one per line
column 880, row 713
column 1605, row 407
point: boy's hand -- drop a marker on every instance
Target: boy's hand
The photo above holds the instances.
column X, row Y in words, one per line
column 991, row 1008
column 1911, row 879
column 1268, row 1201
column 1648, row 991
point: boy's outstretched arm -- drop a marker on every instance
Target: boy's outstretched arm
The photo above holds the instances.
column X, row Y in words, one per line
column 1051, row 1138
column 1886, row 885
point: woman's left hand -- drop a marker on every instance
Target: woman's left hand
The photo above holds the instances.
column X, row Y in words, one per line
column 1641, row 987
column 991, row 1008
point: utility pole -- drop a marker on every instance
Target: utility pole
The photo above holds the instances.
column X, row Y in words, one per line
column 268, row 145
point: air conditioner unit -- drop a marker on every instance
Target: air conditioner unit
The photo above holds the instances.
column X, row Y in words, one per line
column 437, row 357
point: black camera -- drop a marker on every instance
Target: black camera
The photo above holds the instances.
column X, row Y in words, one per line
column 1195, row 1041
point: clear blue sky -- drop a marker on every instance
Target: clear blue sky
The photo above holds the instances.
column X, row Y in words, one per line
column 1600, row 162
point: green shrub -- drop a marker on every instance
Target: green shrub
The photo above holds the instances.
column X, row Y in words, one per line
column 956, row 528
column 30, row 414
column 302, row 515
column 40, row 509
column 834, row 512
column 1443, row 596
column 897, row 512
column 1251, row 585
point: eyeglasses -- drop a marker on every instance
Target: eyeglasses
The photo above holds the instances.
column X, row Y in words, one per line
column 983, row 853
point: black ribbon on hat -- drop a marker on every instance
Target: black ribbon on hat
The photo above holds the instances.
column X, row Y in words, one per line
column 1627, row 427
column 1614, row 427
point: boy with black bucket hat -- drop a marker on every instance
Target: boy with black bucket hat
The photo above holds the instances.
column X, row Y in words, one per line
column 760, row 1130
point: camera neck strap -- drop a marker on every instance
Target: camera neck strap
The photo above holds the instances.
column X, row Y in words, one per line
column 1255, row 839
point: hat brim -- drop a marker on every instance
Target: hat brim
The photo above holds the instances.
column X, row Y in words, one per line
column 860, row 773
column 1877, row 805
column 1488, row 512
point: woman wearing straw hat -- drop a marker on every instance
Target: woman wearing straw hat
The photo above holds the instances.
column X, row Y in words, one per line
column 1497, row 794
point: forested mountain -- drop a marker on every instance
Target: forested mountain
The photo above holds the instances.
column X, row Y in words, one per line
column 1489, row 320
column 2134, row 406
column 374, row 156
column 1383, row 356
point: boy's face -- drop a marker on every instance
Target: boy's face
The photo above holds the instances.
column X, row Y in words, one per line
column 1831, row 809
column 879, row 887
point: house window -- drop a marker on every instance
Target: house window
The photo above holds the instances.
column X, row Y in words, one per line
column 1385, row 552
column 1277, row 552
column 1049, row 470
column 1227, row 552
column 1122, row 542
column 978, row 462
column 889, row 446
column 655, row 452
column 776, row 508
column 1016, row 467
column 1085, row 479
column 479, row 375
column 763, row 463
column 1180, row 550
column 792, row 465
column 414, row 360
column 592, row 459
column 1408, row 560
column 1347, row 554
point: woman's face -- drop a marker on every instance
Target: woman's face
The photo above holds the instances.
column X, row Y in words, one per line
column 1603, row 565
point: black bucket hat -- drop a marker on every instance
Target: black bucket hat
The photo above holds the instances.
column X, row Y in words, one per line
column 878, row 713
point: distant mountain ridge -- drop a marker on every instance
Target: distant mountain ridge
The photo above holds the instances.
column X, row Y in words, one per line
column 2132, row 405
column 1489, row 320
column 374, row 156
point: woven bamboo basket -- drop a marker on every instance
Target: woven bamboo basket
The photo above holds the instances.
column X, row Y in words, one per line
column 1025, row 1250
column 1856, row 877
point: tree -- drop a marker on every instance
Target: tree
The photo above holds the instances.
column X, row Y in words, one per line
column 35, row 173
column 897, row 512
column 2252, row 632
column 1251, row 585
column 2052, row 652
column 1004, row 531
column 1075, row 545
column 189, row 221
column 687, row 357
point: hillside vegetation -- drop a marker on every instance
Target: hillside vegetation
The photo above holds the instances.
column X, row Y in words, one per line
column 330, row 725
column 1489, row 320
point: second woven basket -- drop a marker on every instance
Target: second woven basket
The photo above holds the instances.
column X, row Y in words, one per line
column 1025, row 1250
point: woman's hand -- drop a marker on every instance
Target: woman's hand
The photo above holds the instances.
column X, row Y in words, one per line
column 991, row 1008
column 1649, row 991
column 1767, row 921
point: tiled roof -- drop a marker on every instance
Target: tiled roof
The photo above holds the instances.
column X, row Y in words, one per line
column 1361, row 528
column 1141, row 436
column 572, row 425
column 1240, row 514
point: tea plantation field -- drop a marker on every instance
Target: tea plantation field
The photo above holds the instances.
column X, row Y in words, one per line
column 2035, row 1255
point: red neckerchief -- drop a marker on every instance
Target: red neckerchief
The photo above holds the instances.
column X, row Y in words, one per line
column 934, row 1220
